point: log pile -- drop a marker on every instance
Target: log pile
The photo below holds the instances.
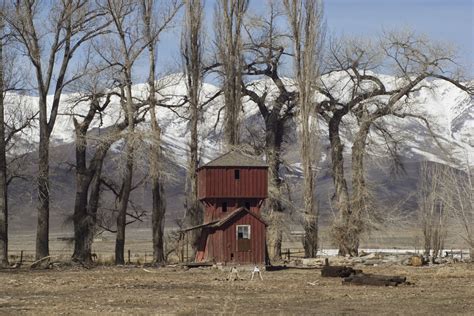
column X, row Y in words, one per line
column 357, row 277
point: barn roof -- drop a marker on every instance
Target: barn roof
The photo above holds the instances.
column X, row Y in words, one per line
column 228, row 218
column 233, row 214
column 235, row 159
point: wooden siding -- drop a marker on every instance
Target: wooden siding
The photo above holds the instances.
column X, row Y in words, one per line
column 221, row 245
column 219, row 182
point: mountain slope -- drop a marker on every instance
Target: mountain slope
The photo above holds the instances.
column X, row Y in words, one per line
column 449, row 110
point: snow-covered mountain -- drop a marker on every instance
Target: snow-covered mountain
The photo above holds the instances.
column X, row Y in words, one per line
column 449, row 110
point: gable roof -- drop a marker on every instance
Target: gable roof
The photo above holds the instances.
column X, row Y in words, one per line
column 235, row 159
column 233, row 214
column 228, row 218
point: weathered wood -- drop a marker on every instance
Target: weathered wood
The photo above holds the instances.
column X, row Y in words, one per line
column 338, row 271
column 371, row 279
column 37, row 263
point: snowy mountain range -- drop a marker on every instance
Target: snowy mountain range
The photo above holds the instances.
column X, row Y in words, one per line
column 449, row 110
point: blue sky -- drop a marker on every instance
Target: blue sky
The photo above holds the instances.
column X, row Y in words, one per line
column 444, row 20
column 450, row 21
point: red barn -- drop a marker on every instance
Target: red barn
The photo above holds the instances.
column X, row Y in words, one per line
column 232, row 189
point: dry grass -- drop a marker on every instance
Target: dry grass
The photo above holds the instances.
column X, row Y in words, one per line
column 127, row 290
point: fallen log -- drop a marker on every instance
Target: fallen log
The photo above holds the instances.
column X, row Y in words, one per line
column 371, row 279
column 37, row 263
column 338, row 271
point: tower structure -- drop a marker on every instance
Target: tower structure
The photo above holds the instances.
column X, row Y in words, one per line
column 232, row 189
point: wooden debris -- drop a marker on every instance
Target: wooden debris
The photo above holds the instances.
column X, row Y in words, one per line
column 338, row 271
column 37, row 263
column 372, row 279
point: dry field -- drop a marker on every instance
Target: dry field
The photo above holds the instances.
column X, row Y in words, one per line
column 440, row 290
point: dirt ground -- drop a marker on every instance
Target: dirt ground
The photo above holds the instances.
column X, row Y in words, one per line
column 447, row 289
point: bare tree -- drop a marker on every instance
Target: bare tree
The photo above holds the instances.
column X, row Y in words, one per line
column 50, row 49
column 353, row 87
column 432, row 213
column 305, row 19
column 3, row 157
column 191, row 50
column 130, row 45
column 263, row 53
column 15, row 118
column 152, row 29
column 457, row 197
column 228, row 26
column 95, row 94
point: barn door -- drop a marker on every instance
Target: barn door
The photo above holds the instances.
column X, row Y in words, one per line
column 243, row 237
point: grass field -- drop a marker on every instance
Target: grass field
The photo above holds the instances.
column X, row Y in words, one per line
column 440, row 290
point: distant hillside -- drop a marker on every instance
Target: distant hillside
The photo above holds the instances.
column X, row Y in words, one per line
column 450, row 111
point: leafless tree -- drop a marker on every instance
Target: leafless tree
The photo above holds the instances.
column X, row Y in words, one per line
column 457, row 197
column 264, row 48
column 3, row 156
column 432, row 212
column 95, row 94
column 353, row 88
column 154, row 24
column 305, row 19
column 191, row 50
column 229, row 18
column 50, row 45
column 15, row 119
column 124, row 15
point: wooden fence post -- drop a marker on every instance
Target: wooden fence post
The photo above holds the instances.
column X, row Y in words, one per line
column 21, row 257
column 129, row 256
column 187, row 244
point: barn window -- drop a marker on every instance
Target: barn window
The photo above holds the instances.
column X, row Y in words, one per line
column 237, row 174
column 224, row 206
column 243, row 237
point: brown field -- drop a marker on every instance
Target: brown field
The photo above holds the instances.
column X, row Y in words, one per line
column 440, row 290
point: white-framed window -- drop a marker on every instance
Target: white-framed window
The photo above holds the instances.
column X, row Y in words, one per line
column 243, row 238
column 243, row 232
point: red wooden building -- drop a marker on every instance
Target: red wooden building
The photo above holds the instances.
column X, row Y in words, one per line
column 232, row 189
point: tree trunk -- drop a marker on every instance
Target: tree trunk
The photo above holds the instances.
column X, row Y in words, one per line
column 123, row 205
column 342, row 230
column 3, row 167
column 194, row 209
column 192, row 53
column 310, row 210
column 80, row 219
column 158, row 195
column 93, row 205
column 360, row 199
column 273, row 143
column 42, row 232
column 128, row 172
